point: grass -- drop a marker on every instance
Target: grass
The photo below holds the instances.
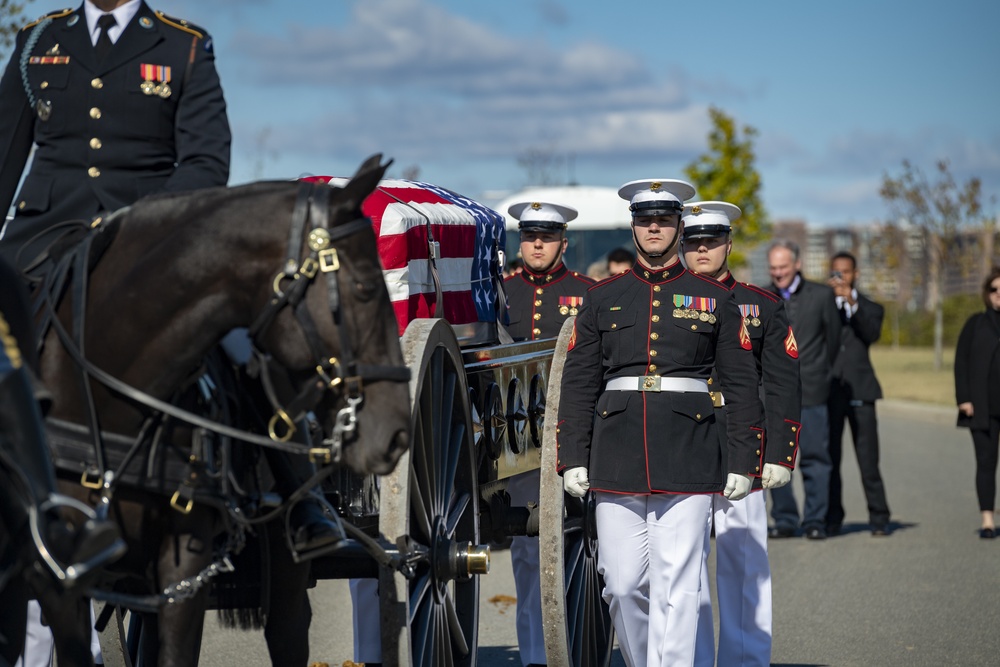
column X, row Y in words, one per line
column 908, row 373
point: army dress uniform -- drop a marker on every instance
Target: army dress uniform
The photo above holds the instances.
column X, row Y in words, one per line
column 540, row 303
column 147, row 117
column 635, row 411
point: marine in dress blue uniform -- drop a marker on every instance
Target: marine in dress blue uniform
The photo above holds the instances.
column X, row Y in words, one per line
column 638, row 427
column 147, row 117
column 540, row 298
column 743, row 576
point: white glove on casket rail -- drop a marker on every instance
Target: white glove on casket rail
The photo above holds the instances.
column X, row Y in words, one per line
column 576, row 482
column 737, row 486
column 775, row 475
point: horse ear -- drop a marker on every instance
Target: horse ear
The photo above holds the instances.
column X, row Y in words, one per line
column 366, row 179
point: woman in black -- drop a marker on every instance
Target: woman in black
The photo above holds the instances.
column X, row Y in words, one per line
column 977, row 392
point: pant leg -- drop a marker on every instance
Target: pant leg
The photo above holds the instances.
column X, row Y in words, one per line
column 677, row 529
column 838, row 408
column 784, row 507
column 367, row 626
column 523, row 489
column 704, row 650
column 985, row 442
column 743, row 582
column 38, row 642
column 814, row 462
column 623, row 560
column 864, row 428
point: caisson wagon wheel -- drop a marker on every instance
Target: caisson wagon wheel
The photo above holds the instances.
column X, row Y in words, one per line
column 432, row 619
column 577, row 622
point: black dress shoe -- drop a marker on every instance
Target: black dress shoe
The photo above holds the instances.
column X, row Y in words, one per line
column 778, row 532
column 311, row 528
column 815, row 533
column 880, row 531
column 987, row 533
column 833, row 529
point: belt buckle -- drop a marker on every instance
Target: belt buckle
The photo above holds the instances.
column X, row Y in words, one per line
column 650, row 383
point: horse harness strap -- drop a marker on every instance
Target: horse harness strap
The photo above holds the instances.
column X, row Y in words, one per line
column 312, row 205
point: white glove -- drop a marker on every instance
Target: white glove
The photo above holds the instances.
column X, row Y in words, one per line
column 775, row 476
column 576, row 482
column 737, row 486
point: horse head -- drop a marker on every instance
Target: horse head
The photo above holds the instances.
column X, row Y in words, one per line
column 299, row 267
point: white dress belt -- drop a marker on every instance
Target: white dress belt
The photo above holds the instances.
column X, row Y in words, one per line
column 656, row 383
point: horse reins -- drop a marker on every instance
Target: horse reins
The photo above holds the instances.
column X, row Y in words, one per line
column 313, row 204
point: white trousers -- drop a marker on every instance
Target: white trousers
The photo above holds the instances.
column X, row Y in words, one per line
column 743, row 586
column 651, row 551
column 367, row 626
column 39, row 646
column 523, row 489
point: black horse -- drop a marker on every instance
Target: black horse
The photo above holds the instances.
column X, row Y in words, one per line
column 300, row 268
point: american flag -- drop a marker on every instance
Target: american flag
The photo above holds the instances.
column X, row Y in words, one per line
column 407, row 217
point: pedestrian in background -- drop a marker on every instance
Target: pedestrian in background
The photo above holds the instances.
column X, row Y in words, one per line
column 853, row 392
column 977, row 392
column 812, row 312
column 620, row 260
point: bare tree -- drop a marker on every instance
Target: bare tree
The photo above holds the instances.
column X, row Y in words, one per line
column 543, row 165
column 941, row 209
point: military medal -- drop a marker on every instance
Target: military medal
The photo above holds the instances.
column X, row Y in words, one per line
column 568, row 304
column 564, row 310
column 155, row 80
column 751, row 314
column 755, row 321
column 711, row 318
column 573, row 311
column 703, row 316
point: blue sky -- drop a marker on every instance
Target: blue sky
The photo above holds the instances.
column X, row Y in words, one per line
column 840, row 92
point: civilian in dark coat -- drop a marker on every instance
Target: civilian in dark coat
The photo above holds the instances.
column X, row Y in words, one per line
column 149, row 116
column 812, row 312
column 977, row 392
column 853, row 393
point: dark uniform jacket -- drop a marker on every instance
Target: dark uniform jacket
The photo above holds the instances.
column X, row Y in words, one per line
column 538, row 304
column 977, row 368
column 852, row 370
column 812, row 311
column 102, row 141
column 775, row 352
column 671, row 323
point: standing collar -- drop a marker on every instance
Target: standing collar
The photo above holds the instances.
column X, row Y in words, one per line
column 658, row 275
column 543, row 278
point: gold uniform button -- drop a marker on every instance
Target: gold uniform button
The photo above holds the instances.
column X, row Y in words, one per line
column 537, row 332
column 614, row 326
column 791, row 444
column 757, row 469
column 655, row 318
column 652, row 367
column 654, row 336
column 697, row 416
column 539, row 290
column 95, row 143
column 652, row 353
column 557, row 430
column 95, row 113
column 538, row 302
column 656, row 304
column 656, row 288
column 758, row 436
column 43, row 85
column 96, row 83
column 694, row 327
column 794, row 429
column 709, row 381
column 22, row 204
column 758, row 452
column 604, row 414
column 538, row 316
column 789, row 459
column 94, row 172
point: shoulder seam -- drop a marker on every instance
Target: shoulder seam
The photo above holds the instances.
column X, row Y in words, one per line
column 763, row 292
column 607, row 281
column 711, row 281
column 54, row 15
column 179, row 26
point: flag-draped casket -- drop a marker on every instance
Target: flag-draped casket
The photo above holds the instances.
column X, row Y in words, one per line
column 435, row 244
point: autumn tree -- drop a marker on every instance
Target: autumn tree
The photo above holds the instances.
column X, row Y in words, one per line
column 941, row 209
column 727, row 173
column 10, row 22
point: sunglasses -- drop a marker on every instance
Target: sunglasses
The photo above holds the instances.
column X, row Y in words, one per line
column 994, row 290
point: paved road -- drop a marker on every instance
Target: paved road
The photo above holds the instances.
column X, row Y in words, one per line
column 927, row 595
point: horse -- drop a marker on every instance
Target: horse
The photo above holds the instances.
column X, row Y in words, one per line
column 175, row 274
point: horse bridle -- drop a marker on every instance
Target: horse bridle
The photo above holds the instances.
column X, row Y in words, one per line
column 332, row 374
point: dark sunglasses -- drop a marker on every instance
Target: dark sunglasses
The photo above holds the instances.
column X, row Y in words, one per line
column 994, row 290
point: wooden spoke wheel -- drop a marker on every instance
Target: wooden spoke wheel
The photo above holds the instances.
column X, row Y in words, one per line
column 576, row 621
column 432, row 497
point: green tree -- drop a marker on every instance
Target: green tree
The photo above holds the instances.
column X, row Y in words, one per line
column 941, row 209
column 727, row 173
column 10, row 23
